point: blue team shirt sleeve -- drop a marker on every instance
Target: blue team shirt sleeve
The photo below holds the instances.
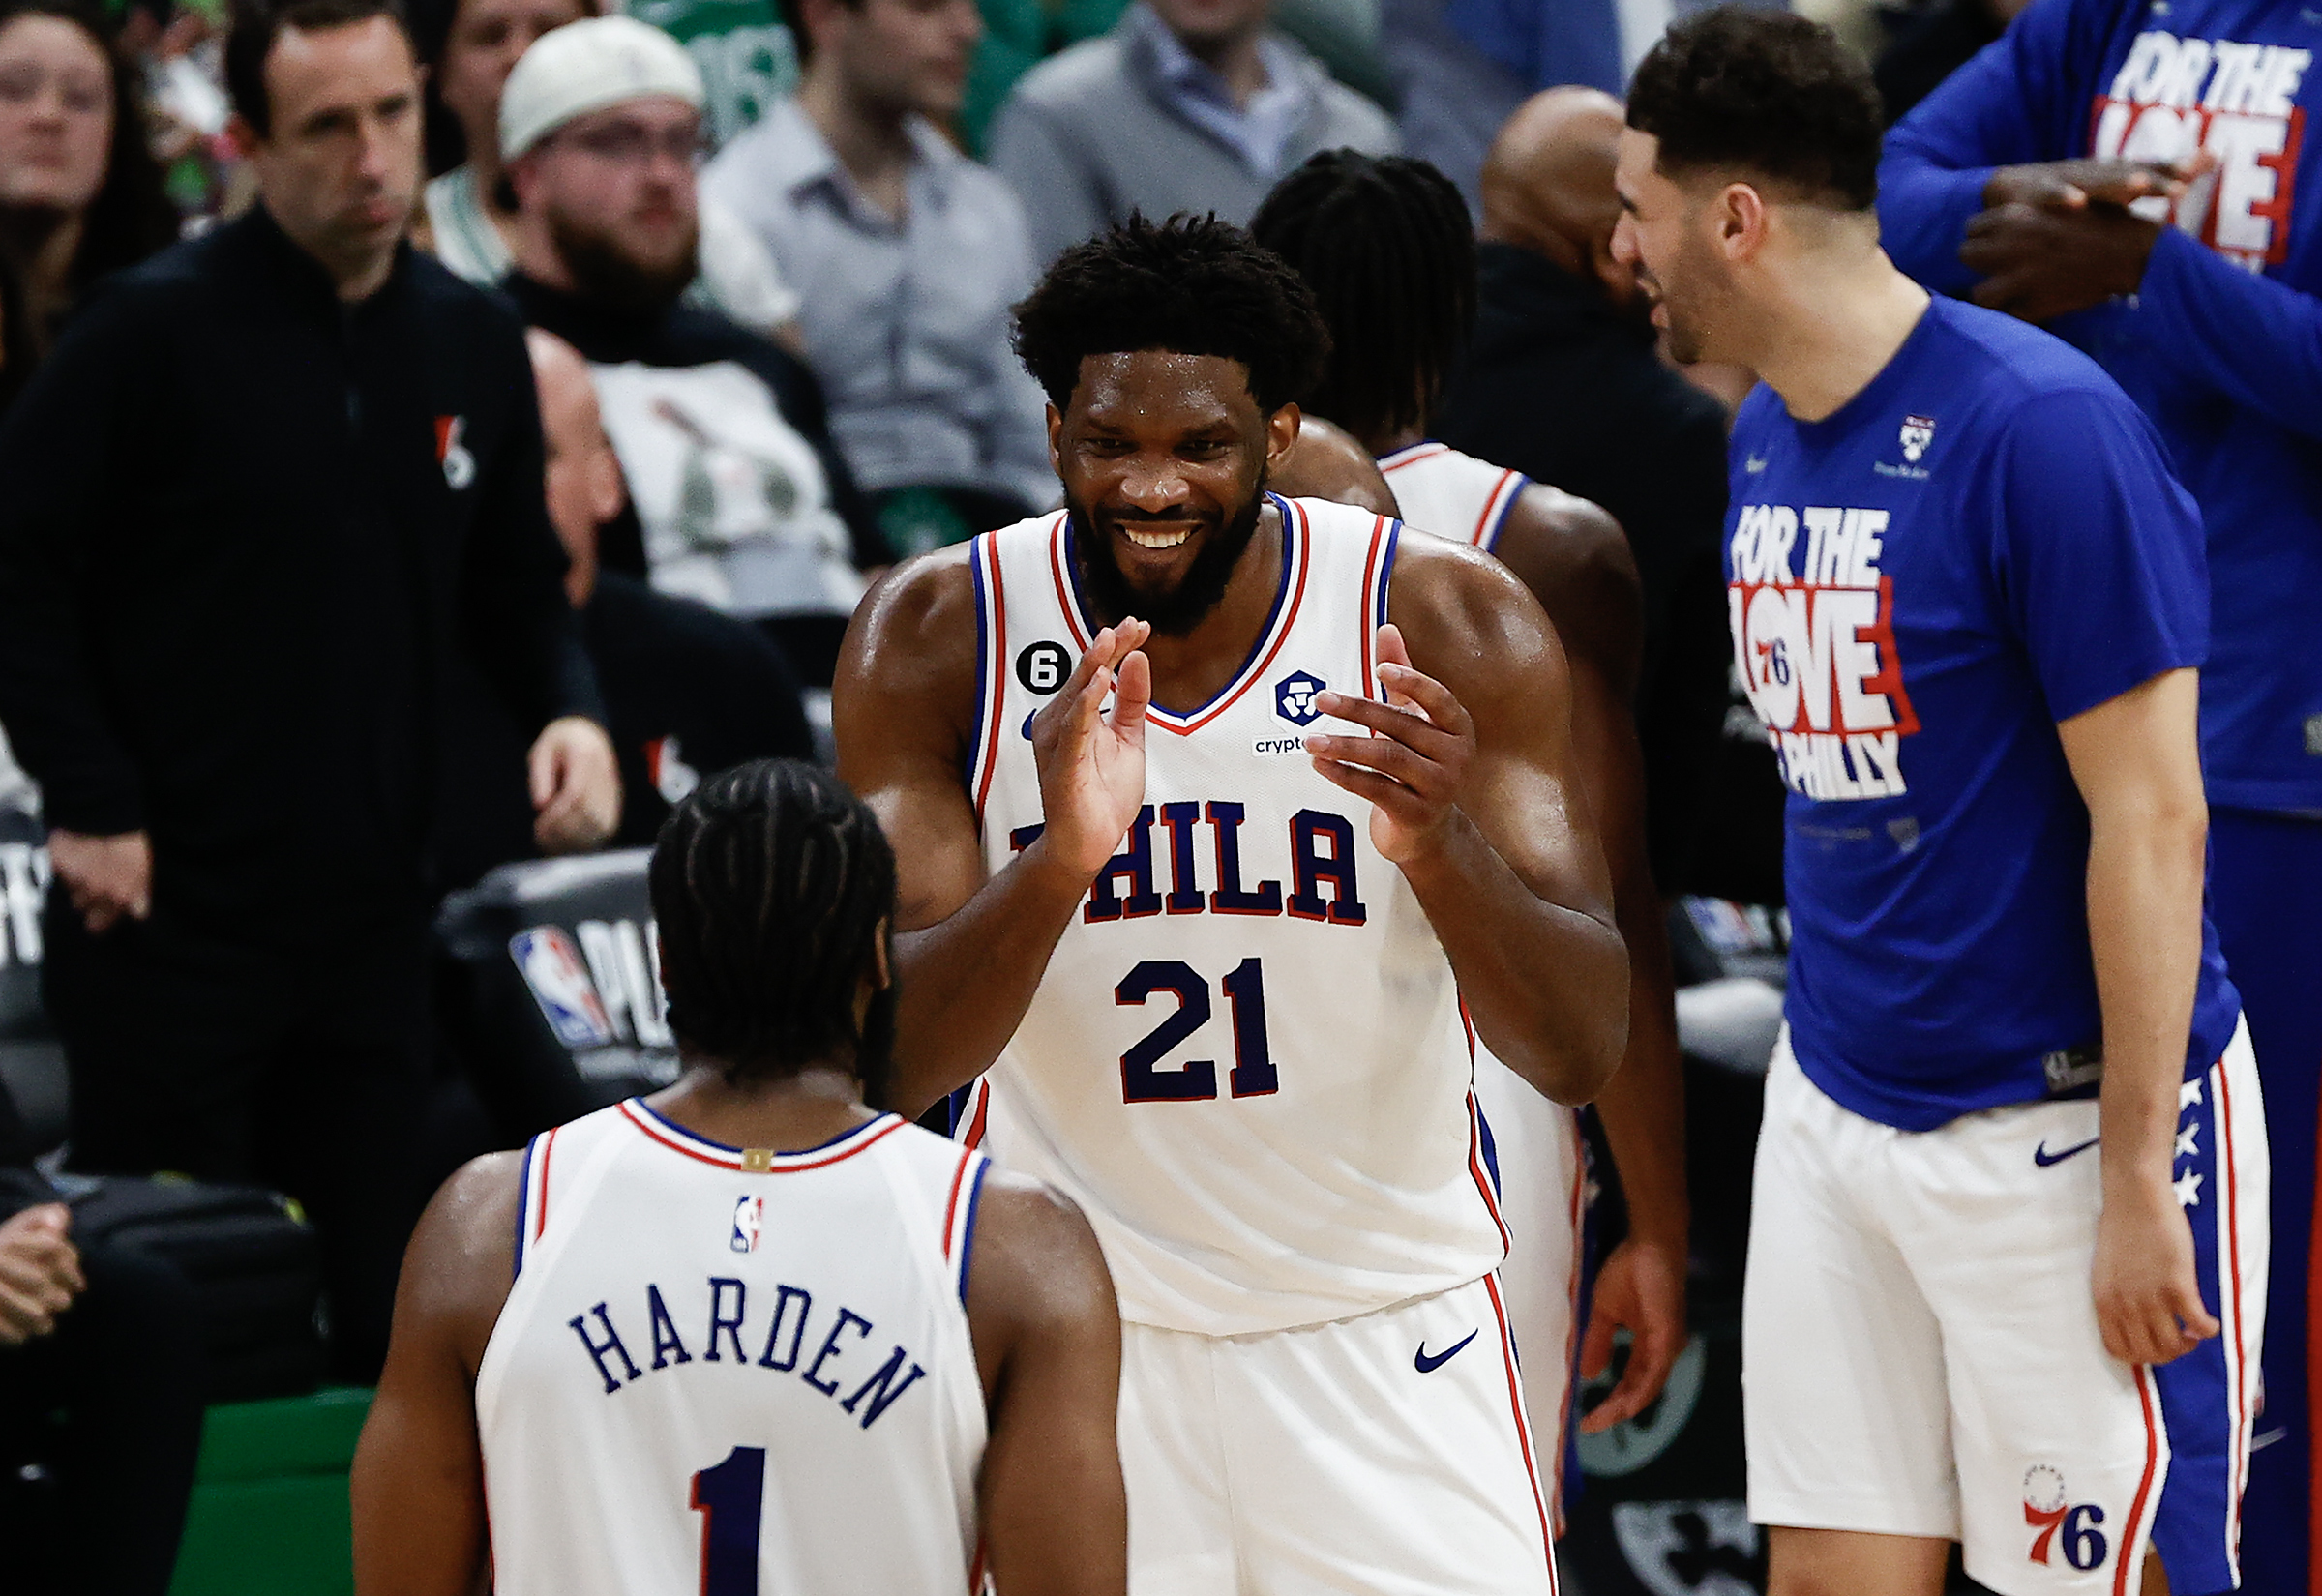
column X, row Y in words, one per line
column 2013, row 104
column 2097, row 551
column 2253, row 339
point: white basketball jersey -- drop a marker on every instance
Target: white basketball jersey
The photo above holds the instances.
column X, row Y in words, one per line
column 1451, row 494
column 726, row 1370
column 1540, row 1164
column 1246, row 1060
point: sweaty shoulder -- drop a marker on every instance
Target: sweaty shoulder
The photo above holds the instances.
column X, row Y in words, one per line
column 1037, row 1267
column 1464, row 613
column 463, row 1257
column 911, row 651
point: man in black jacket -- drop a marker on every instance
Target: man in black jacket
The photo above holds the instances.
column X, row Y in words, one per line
column 269, row 487
column 741, row 499
column 1561, row 383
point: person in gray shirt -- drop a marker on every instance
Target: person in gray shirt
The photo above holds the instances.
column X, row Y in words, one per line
column 1186, row 105
column 907, row 256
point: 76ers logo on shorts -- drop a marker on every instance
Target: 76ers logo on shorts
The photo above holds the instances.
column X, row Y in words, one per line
column 748, row 1214
column 2058, row 1528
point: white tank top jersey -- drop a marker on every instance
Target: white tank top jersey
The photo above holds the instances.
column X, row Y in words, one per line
column 1246, row 1059
column 727, row 1371
column 1450, row 495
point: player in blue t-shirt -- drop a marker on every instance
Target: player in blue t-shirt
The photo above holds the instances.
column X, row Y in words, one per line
column 2010, row 182
column 2009, row 1240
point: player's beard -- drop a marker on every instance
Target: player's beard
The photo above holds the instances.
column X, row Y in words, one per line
column 1177, row 612
column 607, row 272
column 1684, row 338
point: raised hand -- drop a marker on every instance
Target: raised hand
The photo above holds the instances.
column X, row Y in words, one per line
column 1091, row 763
column 1413, row 765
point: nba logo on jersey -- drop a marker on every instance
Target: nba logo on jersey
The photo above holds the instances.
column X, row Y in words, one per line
column 1293, row 696
column 551, row 968
column 749, row 1213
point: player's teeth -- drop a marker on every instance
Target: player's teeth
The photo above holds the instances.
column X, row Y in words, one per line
column 1158, row 540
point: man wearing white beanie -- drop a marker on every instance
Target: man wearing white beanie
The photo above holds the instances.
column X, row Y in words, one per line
column 740, row 499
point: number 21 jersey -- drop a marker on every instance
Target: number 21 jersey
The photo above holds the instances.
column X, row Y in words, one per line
column 1246, row 1059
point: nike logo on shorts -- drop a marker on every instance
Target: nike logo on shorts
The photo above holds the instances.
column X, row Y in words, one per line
column 2044, row 1158
column 1426, row 1365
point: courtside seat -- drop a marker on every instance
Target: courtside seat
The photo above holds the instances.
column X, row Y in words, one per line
column 269, row 1515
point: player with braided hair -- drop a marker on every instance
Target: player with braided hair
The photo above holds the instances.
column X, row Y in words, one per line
column 1387, row 246
column 750, row 1333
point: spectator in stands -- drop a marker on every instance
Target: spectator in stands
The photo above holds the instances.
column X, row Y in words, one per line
column 81, row 193
column 1187, row 105
column 742, row 501
column 471, row 46
column 271, row 485
column 688, row 691
column 909, row 255
column 77, row 1340
column 1561, row 383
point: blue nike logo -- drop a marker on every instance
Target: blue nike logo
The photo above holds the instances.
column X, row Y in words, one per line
column 1426, row 1365
column 2044, row 1158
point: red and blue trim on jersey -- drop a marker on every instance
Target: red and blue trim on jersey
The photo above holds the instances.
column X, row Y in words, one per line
column 958, row 1215
column 1378, row 574
column 991, row 665
column 1289, row 592
column 1484, row 534
column 678, row 1140
column 532, row 1195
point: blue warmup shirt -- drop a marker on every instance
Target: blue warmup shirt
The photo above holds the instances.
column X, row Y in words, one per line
column 2222, row 347
column 1984, row 542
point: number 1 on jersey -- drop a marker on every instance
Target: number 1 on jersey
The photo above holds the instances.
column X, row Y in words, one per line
column 731, row 1500
column 1196, row 1079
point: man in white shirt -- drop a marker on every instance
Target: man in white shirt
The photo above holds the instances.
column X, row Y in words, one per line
column 906, row 256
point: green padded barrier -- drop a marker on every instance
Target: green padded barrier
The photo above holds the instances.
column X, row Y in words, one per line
column 269, row 1513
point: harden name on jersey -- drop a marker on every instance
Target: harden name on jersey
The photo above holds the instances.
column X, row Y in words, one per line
column 1813, row 633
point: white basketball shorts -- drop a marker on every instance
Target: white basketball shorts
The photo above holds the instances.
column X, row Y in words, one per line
column 1386, row 1454
column 1534, row 1151
column 1921, row 1354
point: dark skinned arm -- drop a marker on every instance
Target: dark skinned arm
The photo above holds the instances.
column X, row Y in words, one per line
column 1476, row 797
column 1576, row 561
column 1047, row 1331
column 970, row 951
column 420, row 1463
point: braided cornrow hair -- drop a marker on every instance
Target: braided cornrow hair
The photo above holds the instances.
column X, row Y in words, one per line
column 771, row 884
column 1387, row 247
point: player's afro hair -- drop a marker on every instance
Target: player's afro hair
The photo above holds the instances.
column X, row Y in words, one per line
column 1192, row 285
column 1766, row 93
column 1385, row 243
column 771, row 884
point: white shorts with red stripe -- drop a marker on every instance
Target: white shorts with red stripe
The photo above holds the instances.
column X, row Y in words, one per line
column 1537, row 1166
column 1383, row 1452
column 1921, row 1354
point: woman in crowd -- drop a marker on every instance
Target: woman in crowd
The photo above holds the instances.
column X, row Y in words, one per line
column 471, row 46
column 81, row 193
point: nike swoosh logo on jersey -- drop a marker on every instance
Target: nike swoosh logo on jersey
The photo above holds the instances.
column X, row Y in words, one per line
column 1754, row 465
column 1426, row 1365
column 2044, row 1158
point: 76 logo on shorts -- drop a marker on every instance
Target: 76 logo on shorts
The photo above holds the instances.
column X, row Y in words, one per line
column 2083, row 1544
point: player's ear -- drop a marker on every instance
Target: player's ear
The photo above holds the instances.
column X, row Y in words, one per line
column 1056, row 446
column 1281, row 435
column 1742, row 219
